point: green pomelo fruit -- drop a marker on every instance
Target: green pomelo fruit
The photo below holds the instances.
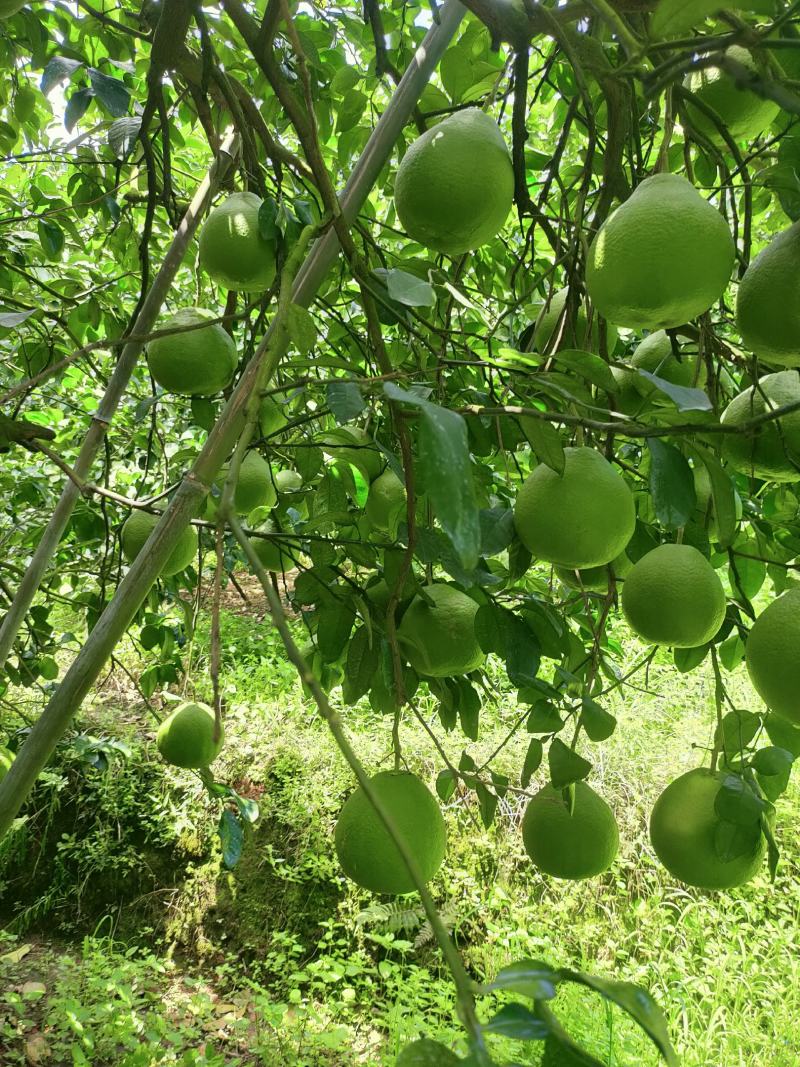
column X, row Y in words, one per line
column 654, row 354
column 271, row 416
column 455, row 184
column 426, row 1053
column 574, row 846
column 683, row 830
column 439, row 640
column 279, row 555
column 768, row 301
column 186, row 737
column 196, row 363
column 6, row 759
column 581, row 337
column 353, row 445
column 582, row 518
column 137, row 528
column 772, row 654
column 254, row 487
column 232, row 250
column 287, row 481
column 673, row 596
column 662, row 258
column 10, row 7
column 386, row 502
column 745, row 114
column 772, row 450
column 368, row 854
column 595, row 579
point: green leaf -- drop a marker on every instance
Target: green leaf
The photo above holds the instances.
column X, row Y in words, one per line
column 723, row 495
column 113, row 94
column 731, row 651
column 487, row 804
column 517, row 1022
column 10, row 319
column 203, row 412
column 445, row 785
column 686, row 659
column 683, row 397
column 671, row 485
column 122, row 134
column 566, row 766
column 360, row 666
column 351, row 110
column 734, row 840
column 497, row 530
column 407, row 289
column 333, row 629
column 51, row 238
column 302, row 328
column 533, row 760
column 543, row 719
column 589, row 366
column 58, row 69
column 737, row 803
column 231, row 837
column 76, row 107
column 344, row 400
column 529, row 978
column 673, row 18
column 545, row 441
column 446, row 468
column 637, row 1003
column 736, row 731
column 598, row 723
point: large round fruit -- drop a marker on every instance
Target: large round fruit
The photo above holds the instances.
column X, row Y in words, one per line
column 137, row 528
column 186, row 737
column 673, row 596
column 271, row 416
column 595, row 579
column 386, row 501
column 426, row 1053
column 683, row 828
column 455, row 184
column 582, row 337
column 772, row 450
column 352, row 444
column 662, row 258
column 254, row 487
column 573, row 846
column 772, row 653
column 232, row 249
column 6, row 759
column 581, row 518
column 745, row 114
column 196, row 363
column 654, row 354
column 768, row 301
column 278, row 555
column 439, row 639
column 366, row 851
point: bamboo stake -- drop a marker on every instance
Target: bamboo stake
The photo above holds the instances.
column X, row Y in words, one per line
column 132, row 590
column 115, row 390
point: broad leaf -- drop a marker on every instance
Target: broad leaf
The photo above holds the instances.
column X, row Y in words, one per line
column 566, row 766
column 671, row 485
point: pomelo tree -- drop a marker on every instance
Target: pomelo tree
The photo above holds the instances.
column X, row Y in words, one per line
column 363, row 293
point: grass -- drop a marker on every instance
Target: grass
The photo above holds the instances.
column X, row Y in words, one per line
column 283, row 963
